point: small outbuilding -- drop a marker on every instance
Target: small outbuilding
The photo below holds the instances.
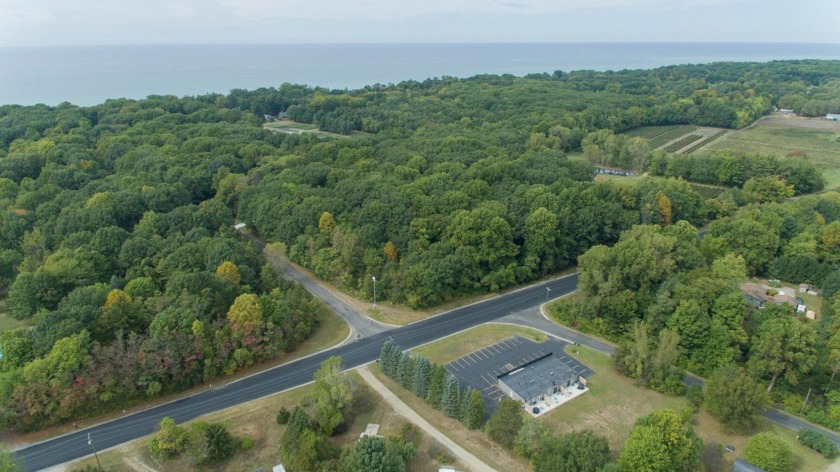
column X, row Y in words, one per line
column 832, row 117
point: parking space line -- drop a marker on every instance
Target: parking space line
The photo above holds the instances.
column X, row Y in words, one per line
column 493, row 347
column 483, row 354
column 474, row 357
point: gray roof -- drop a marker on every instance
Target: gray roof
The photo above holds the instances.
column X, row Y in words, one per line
column 538, row 376
column 741, row 465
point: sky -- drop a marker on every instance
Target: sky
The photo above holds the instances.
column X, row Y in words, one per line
column 119, row 22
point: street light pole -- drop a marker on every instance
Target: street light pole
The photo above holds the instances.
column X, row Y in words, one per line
column 547, row 291
column 374, row 291
column 90, row 443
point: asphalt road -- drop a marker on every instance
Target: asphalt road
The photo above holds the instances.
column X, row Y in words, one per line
column 75, row 445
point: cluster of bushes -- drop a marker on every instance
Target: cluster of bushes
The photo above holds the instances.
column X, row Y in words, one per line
column 305, row 448
column 818, row 442
column 732, row 168
column 205, row 443
column 434, row 384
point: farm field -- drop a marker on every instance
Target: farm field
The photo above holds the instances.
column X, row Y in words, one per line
column 676, row 138
column 657, row 136
column 818, row 139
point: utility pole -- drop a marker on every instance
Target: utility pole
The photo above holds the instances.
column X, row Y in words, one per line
column 90, row 443
column 374, row 291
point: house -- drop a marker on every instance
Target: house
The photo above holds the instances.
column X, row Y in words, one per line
column 539, row 378
column 754, row 294
column 832, row 117
column 758, row 295
column 741, row 465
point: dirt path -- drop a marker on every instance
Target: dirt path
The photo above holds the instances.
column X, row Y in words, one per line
column 465, row 457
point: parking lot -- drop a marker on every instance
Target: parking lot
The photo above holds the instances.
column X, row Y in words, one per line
column 480, row 369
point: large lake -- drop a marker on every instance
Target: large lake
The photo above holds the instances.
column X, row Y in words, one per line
column 90, row 75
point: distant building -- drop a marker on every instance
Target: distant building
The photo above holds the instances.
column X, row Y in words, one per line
column 832, row 117
column 541, row 377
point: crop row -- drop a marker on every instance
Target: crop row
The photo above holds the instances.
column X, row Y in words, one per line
column 669, row 135
column 685, row 141
column 702, row 143
column 650, row 132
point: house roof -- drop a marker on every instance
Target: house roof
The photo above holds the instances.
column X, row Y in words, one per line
column 539, row 376
column 741, row 465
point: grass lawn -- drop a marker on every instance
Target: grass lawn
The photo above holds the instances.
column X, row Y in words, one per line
column 256, row 419
column 461, row 344
column 821, row 147
column 614, row 403
column 8, row 323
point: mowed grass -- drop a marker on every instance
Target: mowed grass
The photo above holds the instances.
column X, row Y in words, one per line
column 257, row 420
column 614, row 403
column 461, row 344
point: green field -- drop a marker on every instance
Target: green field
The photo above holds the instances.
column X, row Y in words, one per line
column 820, row 147
column 682, row 142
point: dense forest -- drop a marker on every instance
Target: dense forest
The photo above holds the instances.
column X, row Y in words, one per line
column 116, row 237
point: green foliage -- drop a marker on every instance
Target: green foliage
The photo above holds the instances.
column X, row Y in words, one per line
column 504, row 424
column 818, row 442
column 8, row 462
column 475, row 411
column 574, row 452
column 735, row 399
column 661, row 441
column 530, row 437
column 332, row 394
column 785, row 346
column 220, row 445
column 283, row 416
column 372, row 453
column 169, row 441
column 450, row 402
column 770, row 452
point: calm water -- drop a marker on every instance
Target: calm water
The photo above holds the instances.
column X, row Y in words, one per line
column 89, row 75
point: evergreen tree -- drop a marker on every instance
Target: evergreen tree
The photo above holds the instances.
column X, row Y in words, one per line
column 422, row 374
column 450, row 403
column 385, row 357
column 476, row 410
column 435, row 392
column 406, row 373
column 464, row 394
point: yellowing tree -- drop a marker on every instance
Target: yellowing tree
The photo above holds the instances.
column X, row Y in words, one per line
column 326, row 222
column 117, row 297
column 666, row 212
column 831, row 236
column 391, row 251
column 245, row 311
column 227, row 270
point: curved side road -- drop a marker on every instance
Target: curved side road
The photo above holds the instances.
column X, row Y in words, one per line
column 473, row 463
column 74, row 445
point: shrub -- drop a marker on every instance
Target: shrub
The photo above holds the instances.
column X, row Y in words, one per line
column 283, row 416
column 818, row 442
column 768, row 451
column 694, row 394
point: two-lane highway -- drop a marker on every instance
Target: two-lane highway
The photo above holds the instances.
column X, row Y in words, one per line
column 74, row 445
